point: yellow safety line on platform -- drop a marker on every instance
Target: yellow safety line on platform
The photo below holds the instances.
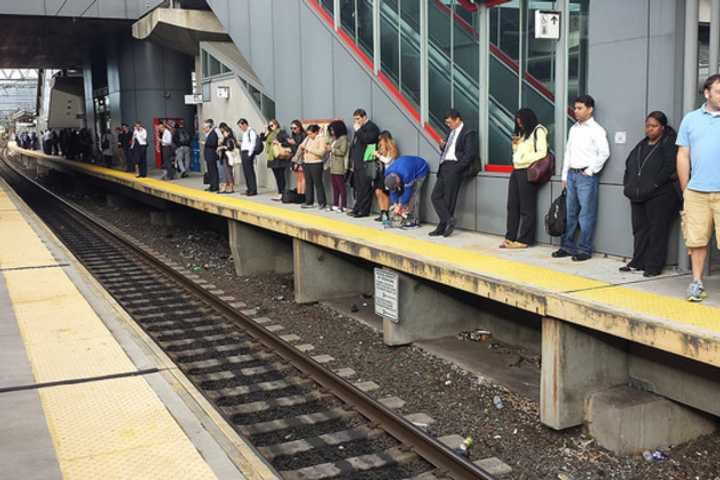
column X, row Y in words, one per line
column 105, row 430
column 452, row 260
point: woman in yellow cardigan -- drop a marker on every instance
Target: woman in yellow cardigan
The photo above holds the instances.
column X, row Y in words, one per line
column 529, row 144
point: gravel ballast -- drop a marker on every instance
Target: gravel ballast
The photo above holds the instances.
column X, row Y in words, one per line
column 459, row 402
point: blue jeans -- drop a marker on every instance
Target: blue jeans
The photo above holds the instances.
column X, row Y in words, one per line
column 582, row 208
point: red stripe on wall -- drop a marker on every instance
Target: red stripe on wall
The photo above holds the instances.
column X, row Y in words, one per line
column 499, row 168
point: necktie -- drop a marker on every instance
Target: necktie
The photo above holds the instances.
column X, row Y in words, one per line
column 451, row 138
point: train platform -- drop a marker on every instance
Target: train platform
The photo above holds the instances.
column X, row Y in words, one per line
column 83, row 392
column 593, row 297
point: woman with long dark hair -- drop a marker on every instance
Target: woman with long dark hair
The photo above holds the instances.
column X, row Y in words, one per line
column 338, row 164
column 229, row 144
column 650, row 185
column 297, row 137
column 529, row 144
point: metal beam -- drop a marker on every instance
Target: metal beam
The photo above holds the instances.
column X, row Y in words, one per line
column 424, row 61
column 376, row 35
column 690, row 61
column 484, row 81
column 336, row 14
column 561, row 82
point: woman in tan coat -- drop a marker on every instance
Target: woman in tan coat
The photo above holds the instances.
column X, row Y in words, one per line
column 338, row 164
column 314, row 151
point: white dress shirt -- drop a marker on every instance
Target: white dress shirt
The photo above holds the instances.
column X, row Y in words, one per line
column 140, row 136
column 587, row 148
column 167, row 138
column 450, row 151
column 249, row 138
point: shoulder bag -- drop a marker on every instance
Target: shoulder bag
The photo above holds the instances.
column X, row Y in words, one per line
column 541, row 171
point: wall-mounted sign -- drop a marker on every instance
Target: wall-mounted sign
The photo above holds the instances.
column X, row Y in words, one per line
column 547, row 25
column 195, row 99
column 223, row 92
column 387, row 286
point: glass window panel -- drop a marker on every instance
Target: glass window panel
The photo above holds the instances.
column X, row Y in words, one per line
column 466, row 71
column 268, row 107
column 214, row 68
column 540, row 53
column 440, row 68
column 347, row 16
column 577, row 64
column 256, row 95
column 205, row 66
column 329, row 5
column 389, row 40
column 410, row 51
column 206, row 91
column 365, row 25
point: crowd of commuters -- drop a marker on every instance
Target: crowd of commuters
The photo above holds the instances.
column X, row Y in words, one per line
column 666, row 173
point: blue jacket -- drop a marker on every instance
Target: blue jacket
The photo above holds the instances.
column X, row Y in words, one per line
column 409, row 169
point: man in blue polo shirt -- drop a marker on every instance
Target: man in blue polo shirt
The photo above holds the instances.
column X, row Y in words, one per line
column 698, row 168
column 404, row 179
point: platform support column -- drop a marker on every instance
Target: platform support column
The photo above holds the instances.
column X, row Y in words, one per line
column 255, row 250
column 322, row 274
column 576, row 362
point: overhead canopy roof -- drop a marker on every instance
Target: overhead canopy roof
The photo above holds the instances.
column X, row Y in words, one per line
column 51, row 42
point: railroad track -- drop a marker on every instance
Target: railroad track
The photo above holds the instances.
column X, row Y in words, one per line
column 305, row 420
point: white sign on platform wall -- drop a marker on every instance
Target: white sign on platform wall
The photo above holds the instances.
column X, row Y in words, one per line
column 387, row 286
column 223, row 92
column 547, row 25
column 195, row 99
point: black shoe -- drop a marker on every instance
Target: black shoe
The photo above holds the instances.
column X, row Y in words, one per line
column 450, row 228
column 352, row 214
column 629, row 268
column 650, row 274
column 251, row 194
column 439, row 230
column 581, row 257
column 184, row 175
column 561, row 254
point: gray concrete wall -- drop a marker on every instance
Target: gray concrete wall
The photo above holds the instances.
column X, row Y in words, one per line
column 309, row 73
column 146, row 81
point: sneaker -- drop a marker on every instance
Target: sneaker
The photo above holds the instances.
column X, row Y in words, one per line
column 560, row 253
column 696, row 292
column 335, row 208
column 307, row 205
column 410, row 226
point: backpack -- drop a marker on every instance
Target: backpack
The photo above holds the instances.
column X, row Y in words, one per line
column 555, row 217
column 259, row 146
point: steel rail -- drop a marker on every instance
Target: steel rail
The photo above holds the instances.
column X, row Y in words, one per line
column 446, row 461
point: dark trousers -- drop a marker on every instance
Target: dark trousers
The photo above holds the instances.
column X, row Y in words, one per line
column 445, row 193
column 339, row 191
column 141, row 159
column 212, row 171
column 129, row 159
column 167, row 161
column 280, row 175
column 652, row 221
column 314, row 183
column 248, row 164
column 363, row 175
column 521, row 208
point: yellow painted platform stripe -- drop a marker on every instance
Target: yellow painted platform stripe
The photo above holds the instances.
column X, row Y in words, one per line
column 113, row 429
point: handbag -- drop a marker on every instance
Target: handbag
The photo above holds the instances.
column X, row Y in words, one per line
column 555, row 217
column 280, row 152
column 541, row 171
column 233, row 157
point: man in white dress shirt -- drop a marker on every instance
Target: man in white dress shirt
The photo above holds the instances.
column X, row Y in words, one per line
column 586, row 152
column 166, row 152
column 139, row 148
column 248, row 143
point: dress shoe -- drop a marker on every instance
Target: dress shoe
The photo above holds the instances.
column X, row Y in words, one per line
column 561, row 254
column 581, row 257
column 650, row 274
column 439, row 230
column 450, row 228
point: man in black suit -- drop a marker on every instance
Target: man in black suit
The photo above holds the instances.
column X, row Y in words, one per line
column 211, row 156
column 366, row 133
column 459, row 151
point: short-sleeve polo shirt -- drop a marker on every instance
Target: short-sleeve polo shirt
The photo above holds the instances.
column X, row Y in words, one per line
column 700, row 132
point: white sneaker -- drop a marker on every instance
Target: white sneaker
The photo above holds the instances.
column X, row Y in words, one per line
column 335, row 208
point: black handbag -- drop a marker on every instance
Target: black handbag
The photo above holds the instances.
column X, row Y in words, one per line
column 555, row 217
column 206, row 179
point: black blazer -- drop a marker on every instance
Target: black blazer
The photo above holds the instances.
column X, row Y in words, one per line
column 366, row 135
column 211, row 144
column 466, row 150
column 653, row 173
